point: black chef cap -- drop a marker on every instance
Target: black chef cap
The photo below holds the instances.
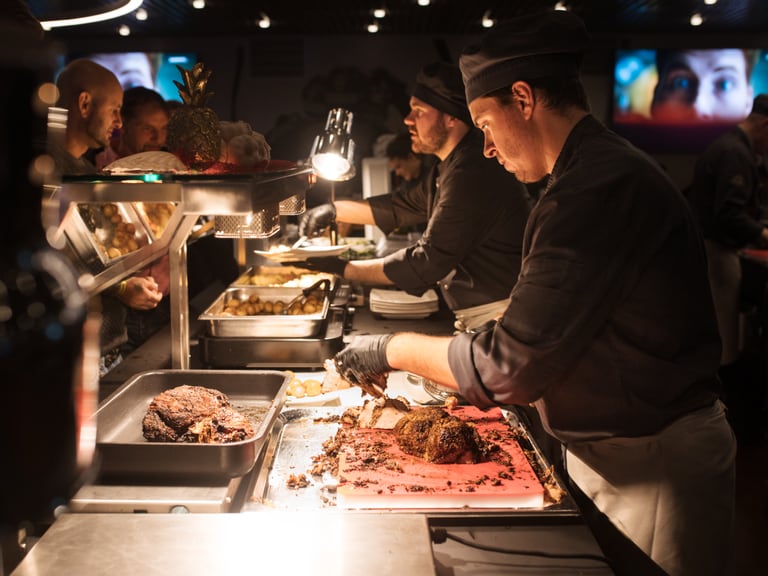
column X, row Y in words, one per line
column 760, row 105
column 439, row 85
column 526, row 48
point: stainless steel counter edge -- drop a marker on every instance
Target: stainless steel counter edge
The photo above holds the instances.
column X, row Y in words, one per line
column 223, row 544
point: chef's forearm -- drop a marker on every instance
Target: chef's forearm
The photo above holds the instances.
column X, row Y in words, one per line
column 368, row 272
column 353, row 212
column 423, row 355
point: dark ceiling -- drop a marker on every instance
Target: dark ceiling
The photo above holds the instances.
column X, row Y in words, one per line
column 173, row 18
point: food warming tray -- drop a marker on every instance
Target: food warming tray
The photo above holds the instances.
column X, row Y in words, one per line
column 282, row 276
column 89, row 240
column 124, row 453
column 266, row 325
column 293, row 353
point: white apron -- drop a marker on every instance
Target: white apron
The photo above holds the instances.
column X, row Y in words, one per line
column 468, row 319
column 671, row 493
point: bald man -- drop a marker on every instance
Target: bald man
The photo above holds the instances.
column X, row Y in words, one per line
column 93, row 97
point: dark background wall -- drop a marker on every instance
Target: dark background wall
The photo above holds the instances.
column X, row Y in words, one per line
column 284, row 85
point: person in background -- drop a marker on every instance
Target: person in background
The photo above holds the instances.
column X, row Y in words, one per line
column 145, row 126
column 703, row 85
column 610, row 331
column 406, row 165
column 93, row 97
column 474, row 212
column 144, row 129
column 408, row 170
column 725, row 196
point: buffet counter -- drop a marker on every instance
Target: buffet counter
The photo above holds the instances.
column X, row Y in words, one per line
column 254, row 533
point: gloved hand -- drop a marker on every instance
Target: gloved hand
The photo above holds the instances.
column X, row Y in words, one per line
column 364, row 363
column 330, row 264
column 315, row 219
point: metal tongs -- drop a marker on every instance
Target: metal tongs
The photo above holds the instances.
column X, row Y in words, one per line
column 302, row 296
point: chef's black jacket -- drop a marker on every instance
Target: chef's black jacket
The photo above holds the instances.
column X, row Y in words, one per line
column 475, row 213
column 611, row 329
column 725, row 194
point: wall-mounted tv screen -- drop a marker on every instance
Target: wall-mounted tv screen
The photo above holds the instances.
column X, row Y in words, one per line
column 155, row 70
column 678, row 101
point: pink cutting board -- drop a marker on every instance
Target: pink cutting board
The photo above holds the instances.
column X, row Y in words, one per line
column 375, row 473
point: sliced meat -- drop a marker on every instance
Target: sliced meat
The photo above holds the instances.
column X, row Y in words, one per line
column 382, row 413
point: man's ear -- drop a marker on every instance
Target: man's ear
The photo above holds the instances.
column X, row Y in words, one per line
column 84, row 104
column 523, row 96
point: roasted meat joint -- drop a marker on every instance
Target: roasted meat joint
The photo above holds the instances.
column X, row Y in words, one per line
column 194, row 414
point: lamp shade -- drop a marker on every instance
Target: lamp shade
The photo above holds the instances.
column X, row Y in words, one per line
column 333, row 151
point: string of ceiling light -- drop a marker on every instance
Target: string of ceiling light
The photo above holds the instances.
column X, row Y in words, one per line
column 264, row 21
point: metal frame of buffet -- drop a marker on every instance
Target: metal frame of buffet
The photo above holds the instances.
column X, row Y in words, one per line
column 194, row 196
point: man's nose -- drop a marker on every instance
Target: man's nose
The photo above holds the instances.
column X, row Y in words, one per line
column 705, row 104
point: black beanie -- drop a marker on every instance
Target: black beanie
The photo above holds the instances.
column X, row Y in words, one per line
column 439, row 85
column 526, row 48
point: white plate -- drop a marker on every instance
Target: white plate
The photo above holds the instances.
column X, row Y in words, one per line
column 405, row 316
column 342, row 397
column 400, row 311
column 401, row 298
column 288, row 254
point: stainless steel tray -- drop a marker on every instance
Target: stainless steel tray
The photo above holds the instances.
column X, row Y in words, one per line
column 275, row 353
column 282, row 276
column 298, row 437
column 124, row 453
column 268, row 325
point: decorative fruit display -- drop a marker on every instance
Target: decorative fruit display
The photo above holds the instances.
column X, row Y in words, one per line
column 194, row 132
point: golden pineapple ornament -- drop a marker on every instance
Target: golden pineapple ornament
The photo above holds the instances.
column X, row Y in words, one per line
column 194, row 132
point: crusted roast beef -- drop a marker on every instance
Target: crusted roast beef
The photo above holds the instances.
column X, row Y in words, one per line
column 439, row 437
column 194, row 414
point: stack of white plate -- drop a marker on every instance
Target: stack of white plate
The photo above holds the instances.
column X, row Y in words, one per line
column 399, row 304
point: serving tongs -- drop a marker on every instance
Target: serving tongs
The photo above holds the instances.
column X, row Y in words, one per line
column 324, row 284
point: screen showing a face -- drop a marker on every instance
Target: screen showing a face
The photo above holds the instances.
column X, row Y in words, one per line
column 155, row 70
column 679, row 100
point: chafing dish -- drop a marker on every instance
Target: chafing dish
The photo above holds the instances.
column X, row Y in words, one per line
column 223, row 324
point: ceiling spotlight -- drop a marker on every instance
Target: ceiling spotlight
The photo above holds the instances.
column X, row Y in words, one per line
column 124, row 30
column 264, row 22
column 141, row 14
column 373, row 27
column 422, row 2
column 710, row 2
column 696, row 19
column 198, row 4
column 561, row 6
column 487, row 21
column 379, row 12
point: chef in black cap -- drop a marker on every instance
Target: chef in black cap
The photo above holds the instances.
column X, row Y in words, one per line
column 725, row 196
column 610, row 331
column 474, row 211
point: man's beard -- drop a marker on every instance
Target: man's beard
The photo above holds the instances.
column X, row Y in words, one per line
column 433, row 141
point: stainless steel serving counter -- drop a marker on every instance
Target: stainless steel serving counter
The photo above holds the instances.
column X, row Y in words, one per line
column 228, row 544
column 333, row 544
column 323, row 540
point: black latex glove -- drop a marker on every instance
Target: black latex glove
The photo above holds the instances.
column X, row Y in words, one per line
column 316, row 219
column 330, row 264
column 364, row 363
